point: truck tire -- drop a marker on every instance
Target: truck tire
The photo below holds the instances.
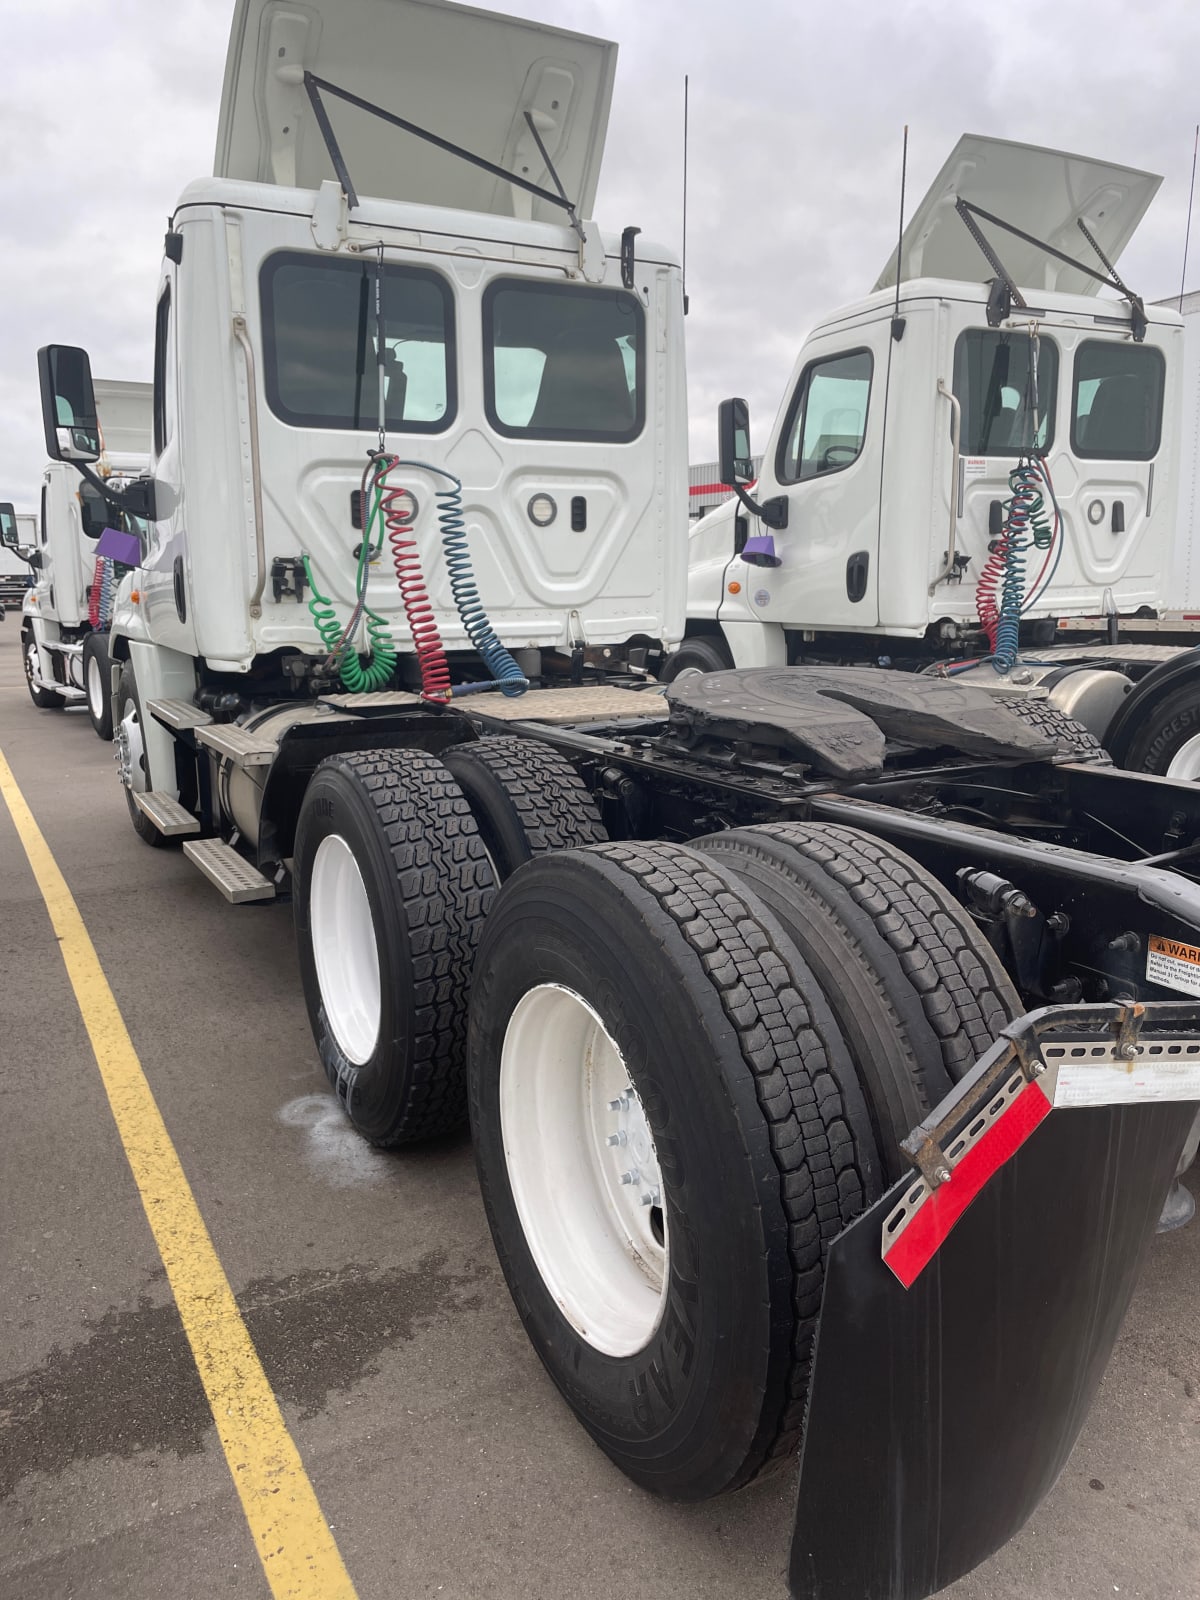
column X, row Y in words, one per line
column 43, row 699
column 97, row 683
column 703, row 653
column 390, row 885
column 1070, row 735
column 635, row 1003
column 926, row 961
column 526, row 798
column 131, row 751
column 1167, row 740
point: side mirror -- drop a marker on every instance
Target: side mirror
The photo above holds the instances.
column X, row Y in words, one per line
column 68, row 404
column 94, row 513
column 9, row 534
column 733, row 435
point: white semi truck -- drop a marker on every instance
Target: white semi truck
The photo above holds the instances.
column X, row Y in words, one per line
column 67, row 611
column 18, row 530
column 733, row 982
column 976, row 468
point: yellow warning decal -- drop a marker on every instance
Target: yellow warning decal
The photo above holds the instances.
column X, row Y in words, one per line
column 1173, row 965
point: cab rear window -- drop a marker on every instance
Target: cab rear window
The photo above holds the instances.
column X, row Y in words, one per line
column 319, row 344
column 994, row 384
column 1116, row 412
column 563, row 362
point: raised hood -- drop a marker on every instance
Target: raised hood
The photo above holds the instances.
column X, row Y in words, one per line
column 1044, row 192
column 125, row 410
column 466, row 75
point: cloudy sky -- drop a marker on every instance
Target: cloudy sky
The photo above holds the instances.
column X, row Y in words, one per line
column 110, row 107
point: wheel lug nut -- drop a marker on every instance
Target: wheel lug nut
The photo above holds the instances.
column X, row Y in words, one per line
column 617, row 1138
column 632, row 1176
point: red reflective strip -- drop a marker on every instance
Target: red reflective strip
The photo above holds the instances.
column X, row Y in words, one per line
column 915, row 1247
column 715, row 488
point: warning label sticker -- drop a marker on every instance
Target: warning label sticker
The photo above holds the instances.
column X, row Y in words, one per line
column 974, row 466
column 1174, row 965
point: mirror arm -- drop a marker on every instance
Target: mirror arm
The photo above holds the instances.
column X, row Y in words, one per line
column 137, row 498
column 773, row 512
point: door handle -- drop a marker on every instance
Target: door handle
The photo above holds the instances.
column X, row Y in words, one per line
column 856, row 575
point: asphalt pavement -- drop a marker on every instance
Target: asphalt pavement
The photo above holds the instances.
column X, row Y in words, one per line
column 442, row 1456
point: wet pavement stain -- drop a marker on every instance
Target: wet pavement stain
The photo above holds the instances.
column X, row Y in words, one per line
column 321, row 1331
column 131, row 1386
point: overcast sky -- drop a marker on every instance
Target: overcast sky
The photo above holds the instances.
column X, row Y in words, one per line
column 110, row 106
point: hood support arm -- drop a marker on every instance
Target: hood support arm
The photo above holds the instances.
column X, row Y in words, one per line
column 1000, row 306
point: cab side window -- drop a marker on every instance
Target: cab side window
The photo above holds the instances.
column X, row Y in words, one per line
column 828, row 418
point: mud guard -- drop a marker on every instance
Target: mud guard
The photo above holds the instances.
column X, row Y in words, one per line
column 942, row 1412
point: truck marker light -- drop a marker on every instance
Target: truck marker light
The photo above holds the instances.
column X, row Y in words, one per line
column 735, row 587
column 135, row 595
column 916, row 1230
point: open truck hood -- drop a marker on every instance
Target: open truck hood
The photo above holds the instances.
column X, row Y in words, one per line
column 468, row 76
column 125, row 411
column 1044, row 192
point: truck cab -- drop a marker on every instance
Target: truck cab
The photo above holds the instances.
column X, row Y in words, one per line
column 321, row 297
column 891, row 461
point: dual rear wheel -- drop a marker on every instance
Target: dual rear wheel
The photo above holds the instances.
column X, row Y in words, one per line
column 687, row 1067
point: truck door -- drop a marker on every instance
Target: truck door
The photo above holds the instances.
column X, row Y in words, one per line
column 826, row 460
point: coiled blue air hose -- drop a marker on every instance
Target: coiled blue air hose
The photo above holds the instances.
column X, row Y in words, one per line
column 508, row 677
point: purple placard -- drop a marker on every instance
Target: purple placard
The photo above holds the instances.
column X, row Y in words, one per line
column 117, row 546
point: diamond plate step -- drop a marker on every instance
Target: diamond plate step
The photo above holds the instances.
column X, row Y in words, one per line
column 167, row 815
column 233, row 875
column 178, row 713
column 243, row 746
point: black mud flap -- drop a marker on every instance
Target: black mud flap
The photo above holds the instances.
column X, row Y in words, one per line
column 968, row 1316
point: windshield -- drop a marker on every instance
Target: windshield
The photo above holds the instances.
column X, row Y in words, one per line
column 993, row 383
column 1118, row 401
column 319, row 344
column 563, row 362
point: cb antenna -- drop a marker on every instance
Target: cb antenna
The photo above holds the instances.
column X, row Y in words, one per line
column 897, row 319
column 1187, row 235
column 685, row 181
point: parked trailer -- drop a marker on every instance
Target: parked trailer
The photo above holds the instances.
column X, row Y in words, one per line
column 980, row 477
column 67, row 611
column 731, row 981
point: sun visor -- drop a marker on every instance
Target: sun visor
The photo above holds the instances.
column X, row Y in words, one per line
column 1043, row 192
column 468, row 76
column 125, row 411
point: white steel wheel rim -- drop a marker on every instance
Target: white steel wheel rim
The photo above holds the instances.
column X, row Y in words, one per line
column 1185, row 763
column 583, row 1170
column 32, row 664
column 345, row 950
column 131, row 750
column 95, row 688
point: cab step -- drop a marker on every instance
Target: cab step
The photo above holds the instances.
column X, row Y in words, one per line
column 243, row 746
column 168, row 816
column 233, row 875
column 178, row 714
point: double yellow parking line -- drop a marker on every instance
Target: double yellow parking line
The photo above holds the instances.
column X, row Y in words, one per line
column 298, row 1553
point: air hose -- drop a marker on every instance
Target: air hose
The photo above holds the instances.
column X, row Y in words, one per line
column 1001, row 594
column 100, row 595
column 391, row 512
column 506, row 674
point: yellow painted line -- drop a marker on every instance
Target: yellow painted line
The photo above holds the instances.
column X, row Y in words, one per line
column 297, row 1550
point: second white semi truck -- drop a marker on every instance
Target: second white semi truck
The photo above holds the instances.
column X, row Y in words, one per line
column 976, row 469
column 67, row 610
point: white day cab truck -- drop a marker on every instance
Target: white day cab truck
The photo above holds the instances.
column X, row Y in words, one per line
column 66, row 612
column 976, row 470
column 750, row 988
column 18, row 532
